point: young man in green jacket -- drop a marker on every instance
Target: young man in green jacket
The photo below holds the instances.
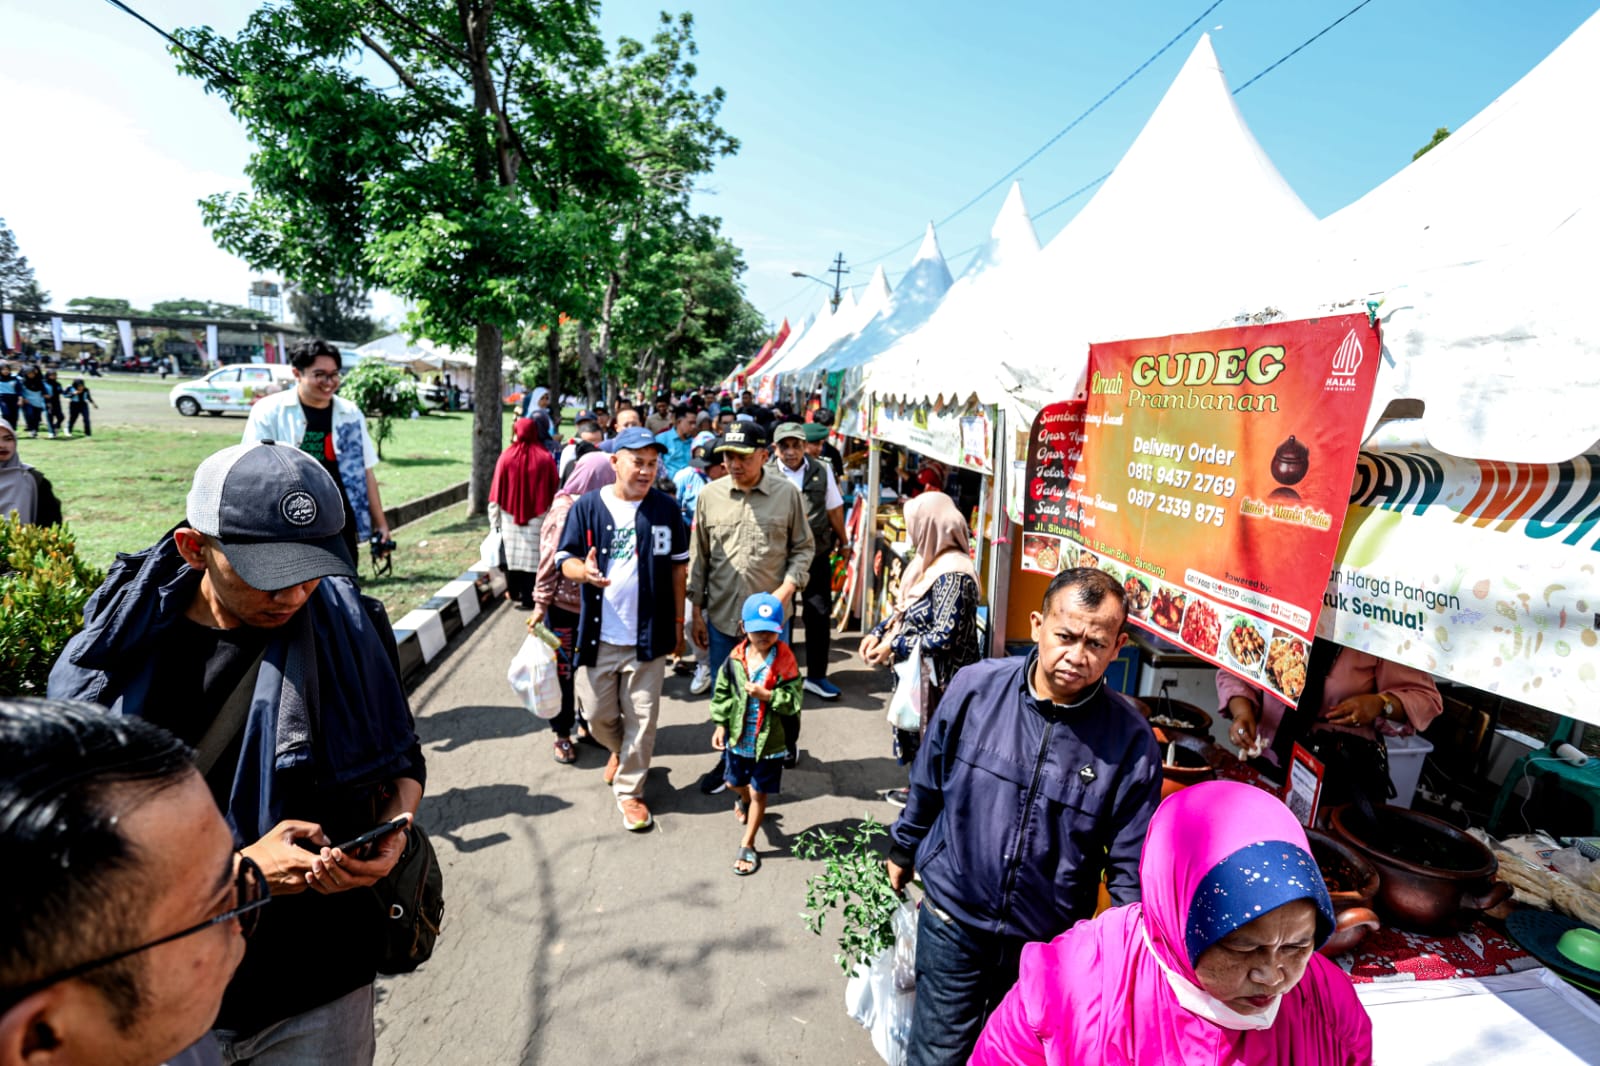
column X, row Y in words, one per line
column 758, row 683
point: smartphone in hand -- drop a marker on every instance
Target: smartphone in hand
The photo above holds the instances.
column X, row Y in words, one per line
column 359, row 847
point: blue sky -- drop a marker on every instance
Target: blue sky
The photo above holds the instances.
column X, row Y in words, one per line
column 859, row 122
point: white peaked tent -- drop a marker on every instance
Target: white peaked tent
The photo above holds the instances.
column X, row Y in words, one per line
column 875, row 299
column 1192, row 207
column 826, row 330
column 920, row 291
column 936, row 360
column 1480, row 255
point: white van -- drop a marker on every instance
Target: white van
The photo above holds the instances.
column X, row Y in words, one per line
column 230, row 388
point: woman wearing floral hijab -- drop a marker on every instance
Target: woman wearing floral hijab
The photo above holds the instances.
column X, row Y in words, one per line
column 1217, row 965
column 22, row 488
column 938, row 608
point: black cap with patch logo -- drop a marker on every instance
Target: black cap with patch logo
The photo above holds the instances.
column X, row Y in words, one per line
column 277, row 514
column 742, row 438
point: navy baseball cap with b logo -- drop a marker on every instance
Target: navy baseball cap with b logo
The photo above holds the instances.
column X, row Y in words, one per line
column 275, row 511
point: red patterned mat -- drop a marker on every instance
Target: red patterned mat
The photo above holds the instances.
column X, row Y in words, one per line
column 1395, row 955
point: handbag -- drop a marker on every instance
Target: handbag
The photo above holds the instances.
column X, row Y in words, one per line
column 412, row 898
column 910, row 692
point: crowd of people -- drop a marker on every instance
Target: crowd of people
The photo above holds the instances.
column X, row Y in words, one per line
column 257, row 718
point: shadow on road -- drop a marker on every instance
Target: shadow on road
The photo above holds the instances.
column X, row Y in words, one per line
column 460, row 726
column 446, row 813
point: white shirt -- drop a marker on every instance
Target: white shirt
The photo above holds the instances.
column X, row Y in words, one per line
column 831, row 499
column 619, row 607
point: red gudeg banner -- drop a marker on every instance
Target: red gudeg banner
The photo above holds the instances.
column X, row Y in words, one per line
column 1210, row 473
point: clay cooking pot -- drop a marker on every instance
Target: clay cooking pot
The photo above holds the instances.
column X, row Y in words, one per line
column 1434, row 877
column 1353, row 915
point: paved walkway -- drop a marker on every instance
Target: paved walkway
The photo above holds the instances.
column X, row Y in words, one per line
column 569, row 940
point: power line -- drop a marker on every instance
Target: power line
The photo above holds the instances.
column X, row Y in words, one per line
column 1304, row 44
column 1068, row 128
column 1074, row 194
column 185, row 49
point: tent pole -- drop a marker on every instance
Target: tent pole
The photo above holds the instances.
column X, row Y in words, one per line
column 868, row 548
column 1000, row 553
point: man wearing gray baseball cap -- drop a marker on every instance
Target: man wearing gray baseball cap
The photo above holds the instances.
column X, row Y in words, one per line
column 242, row 632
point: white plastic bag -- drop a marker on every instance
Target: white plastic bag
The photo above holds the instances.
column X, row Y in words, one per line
column 492, row 552
column 905, row 706
column 533, row 676
column 882, row 995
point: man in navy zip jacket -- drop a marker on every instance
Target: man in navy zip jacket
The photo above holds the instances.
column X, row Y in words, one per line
column 626, row 543
column 1033, row 779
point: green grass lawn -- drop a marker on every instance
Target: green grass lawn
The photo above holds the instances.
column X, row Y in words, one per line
column 428, row 552
column 125, row 487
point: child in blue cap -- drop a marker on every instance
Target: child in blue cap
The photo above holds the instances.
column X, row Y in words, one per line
column 759, row 681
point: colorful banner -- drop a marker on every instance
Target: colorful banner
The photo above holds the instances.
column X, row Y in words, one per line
column 963, row 438
column 1209, row 474
column 1482, row 572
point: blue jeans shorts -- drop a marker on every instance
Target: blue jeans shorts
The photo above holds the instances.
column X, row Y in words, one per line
column 763, row 775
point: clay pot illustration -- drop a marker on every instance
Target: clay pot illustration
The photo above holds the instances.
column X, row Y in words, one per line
column 1290, row 462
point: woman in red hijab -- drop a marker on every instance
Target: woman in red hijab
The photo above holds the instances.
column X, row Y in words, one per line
column 1217, row 965
column 524, row 484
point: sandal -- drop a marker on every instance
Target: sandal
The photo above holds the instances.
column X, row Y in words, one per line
column 741, row 811
column 746, row 855
column 566, row 755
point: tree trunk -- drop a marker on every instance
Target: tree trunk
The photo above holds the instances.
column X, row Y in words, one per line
column 594, row 381
column 552, row 352
column 486, row 421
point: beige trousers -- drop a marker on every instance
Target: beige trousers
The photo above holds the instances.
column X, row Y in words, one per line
column 621, row 697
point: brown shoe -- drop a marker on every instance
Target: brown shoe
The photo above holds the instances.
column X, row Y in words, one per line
column 612, row 765
column 635, row 815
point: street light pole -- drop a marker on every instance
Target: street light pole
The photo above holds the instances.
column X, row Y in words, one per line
column 838, row 269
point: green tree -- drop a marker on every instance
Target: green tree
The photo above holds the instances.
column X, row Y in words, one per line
column 385, row 393
column 19, row 290
column 100, row 305
column 334, row 312
column 668, row 134
column 207, row 309
column 1438, row 135
column 458, row 184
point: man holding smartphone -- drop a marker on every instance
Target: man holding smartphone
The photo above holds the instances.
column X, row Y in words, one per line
column 242, row 632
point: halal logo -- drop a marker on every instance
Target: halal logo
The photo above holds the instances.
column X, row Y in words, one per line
column 299, row 507
column 1348, row 358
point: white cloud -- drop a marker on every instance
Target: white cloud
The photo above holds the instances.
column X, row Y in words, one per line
column 100, row 210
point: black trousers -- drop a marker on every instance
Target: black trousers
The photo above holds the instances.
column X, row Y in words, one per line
column 79, row 410
column 817, row 613
column 519, row 583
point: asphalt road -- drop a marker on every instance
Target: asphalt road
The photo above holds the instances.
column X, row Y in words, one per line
column 570, row 940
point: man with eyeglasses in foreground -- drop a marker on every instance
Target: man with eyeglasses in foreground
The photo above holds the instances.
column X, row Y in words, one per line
column 331, row 430
column 242, row 632
column 124, row 907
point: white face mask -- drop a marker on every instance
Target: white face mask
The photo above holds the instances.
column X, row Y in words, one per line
column 1202, row 1004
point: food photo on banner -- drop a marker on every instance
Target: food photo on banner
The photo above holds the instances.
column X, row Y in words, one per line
column 1210, row 474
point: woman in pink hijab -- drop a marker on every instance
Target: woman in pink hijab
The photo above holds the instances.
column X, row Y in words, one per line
column 1217, row 965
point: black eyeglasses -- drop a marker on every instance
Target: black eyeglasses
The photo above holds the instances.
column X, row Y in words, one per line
column 250, row 895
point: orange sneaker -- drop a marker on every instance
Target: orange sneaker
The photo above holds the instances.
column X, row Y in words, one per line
column 635, row 815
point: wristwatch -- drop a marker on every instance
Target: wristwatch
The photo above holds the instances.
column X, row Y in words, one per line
column 1391, row 707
